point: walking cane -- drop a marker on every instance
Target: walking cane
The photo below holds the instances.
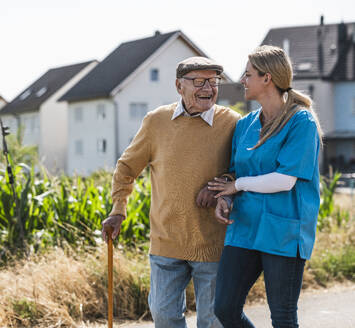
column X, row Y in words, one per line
column 109, row 231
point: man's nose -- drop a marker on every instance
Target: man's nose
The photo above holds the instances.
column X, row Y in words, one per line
column 207, row 85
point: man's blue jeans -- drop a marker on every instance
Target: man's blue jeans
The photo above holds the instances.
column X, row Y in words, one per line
column 239, row 269
column 168, row 281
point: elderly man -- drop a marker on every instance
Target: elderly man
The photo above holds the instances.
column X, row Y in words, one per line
column 185, row 144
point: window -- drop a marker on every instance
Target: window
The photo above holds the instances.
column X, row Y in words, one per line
column 154, row 74
column 33, row 124
column 41, row 92
column 101, row 112
column 311, row 90
column 353, row 109
column 79, row 147
column 304, row 66
column 137, row 110
column 78, row 114
column 25, row 94
column 101, row 146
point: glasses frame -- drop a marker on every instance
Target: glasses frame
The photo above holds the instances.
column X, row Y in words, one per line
column 204, row 82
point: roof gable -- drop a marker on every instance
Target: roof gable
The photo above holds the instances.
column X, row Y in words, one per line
column 115, row 68
column 318, row 51
column 39, row 91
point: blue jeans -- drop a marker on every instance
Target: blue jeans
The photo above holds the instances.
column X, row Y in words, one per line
column 167, row 298
column 239, row 269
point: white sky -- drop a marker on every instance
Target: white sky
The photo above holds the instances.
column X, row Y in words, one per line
column 40, row 34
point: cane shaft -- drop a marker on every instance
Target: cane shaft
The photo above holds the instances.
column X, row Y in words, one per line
column 110, row 279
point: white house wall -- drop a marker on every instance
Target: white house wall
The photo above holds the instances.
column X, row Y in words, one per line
column 54, row 126
column 323, row 95
column 30, row 125
column 154, row 93
column 88, row 129
column 11, row 122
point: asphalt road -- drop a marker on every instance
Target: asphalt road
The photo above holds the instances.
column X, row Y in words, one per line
column 328, row 308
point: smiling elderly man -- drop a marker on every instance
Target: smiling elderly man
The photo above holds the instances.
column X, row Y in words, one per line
column 186, row 144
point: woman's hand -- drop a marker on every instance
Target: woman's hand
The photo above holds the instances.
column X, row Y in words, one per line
column 225, row 187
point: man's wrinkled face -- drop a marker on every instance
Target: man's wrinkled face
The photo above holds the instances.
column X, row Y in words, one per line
column 197, row 99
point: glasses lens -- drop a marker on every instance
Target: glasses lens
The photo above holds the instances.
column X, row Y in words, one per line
column 214, row 81
column 199, row 82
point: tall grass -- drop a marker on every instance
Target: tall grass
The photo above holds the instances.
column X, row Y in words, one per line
column 65, row 211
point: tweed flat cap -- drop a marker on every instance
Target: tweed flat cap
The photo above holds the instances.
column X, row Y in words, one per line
column 197, row 64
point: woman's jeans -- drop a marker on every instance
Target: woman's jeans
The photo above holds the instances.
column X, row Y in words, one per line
column 168, row 280
column 238, row 270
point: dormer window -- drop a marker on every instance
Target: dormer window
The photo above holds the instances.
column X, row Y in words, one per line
column 41, row 92
column 25, row 94
column 333, row 49
column 304, row 66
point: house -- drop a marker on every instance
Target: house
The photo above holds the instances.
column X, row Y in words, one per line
column 3, row 102
column 230, row 94
column 323, row 58
column 44, row 120
column 107, row 106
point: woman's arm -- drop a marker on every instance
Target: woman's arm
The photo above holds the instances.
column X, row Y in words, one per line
column 266, row 183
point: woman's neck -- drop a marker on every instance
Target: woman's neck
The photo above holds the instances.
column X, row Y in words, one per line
column 271, row 107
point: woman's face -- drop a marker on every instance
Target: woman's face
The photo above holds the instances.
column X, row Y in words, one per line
column 253, row 83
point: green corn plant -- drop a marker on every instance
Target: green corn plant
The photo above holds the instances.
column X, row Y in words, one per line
column 67, row 211
column 326, row 209
column 135, row 229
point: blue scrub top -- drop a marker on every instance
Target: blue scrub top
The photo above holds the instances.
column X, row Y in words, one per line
column 276, row 223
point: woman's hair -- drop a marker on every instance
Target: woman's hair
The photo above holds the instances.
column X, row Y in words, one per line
column 273, row 60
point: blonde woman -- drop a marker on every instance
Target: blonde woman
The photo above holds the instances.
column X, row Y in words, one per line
column 272, row 225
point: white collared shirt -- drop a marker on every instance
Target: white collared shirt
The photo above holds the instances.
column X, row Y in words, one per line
column 207, row 116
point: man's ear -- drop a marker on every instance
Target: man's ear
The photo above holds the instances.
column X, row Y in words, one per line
column 178, row 85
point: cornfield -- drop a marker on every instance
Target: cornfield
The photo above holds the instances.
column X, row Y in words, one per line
column 65, row 211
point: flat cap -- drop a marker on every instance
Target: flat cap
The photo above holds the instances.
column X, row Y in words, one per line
column 197, row 64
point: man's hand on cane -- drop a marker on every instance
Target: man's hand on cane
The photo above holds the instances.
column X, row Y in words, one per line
column 222, row 211
column 112, row 222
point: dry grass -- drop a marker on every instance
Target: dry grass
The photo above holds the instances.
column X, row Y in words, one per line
column 345, row 202
column 59, row 290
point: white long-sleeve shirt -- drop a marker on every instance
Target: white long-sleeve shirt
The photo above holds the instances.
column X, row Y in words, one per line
column 266, row 183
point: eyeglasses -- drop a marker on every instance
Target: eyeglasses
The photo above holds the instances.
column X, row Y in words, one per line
column 199, row 82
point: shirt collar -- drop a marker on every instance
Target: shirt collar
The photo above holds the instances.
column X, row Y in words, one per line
column 207, row 116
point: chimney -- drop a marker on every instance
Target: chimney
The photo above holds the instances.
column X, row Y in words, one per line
column 342, row 50
column 342, row 34
column 157, row 33
column 320, row 37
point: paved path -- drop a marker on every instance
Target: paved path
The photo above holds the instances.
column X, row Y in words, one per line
column 332, row 308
